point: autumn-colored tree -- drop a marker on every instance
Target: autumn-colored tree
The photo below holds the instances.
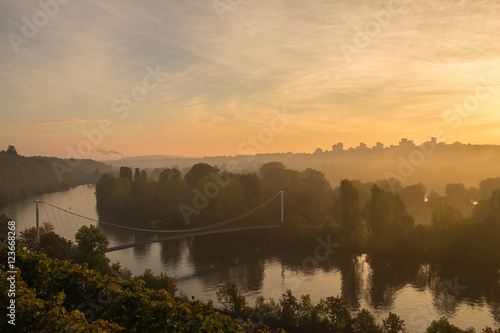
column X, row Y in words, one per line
column 232, row 300
column 157, row 282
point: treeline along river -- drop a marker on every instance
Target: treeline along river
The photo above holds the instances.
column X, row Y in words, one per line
column 418, row 293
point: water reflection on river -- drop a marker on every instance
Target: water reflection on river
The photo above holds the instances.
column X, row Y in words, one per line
column 417, row 293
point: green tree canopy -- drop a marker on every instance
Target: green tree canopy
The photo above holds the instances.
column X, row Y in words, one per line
column 91, row 248
column 158, row 282
column 55, row 246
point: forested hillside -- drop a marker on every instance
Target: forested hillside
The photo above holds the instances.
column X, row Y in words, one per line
column 22, row 176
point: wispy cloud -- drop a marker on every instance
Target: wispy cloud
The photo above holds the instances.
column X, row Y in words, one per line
column 228, row 76
column 51, row 122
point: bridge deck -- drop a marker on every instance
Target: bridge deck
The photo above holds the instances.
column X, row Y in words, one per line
column 190, row 234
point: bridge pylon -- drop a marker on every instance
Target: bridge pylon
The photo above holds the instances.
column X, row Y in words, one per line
column 282, row 215
column 37, row 226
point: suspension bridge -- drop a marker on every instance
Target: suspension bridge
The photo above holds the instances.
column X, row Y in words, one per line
column 67, row 221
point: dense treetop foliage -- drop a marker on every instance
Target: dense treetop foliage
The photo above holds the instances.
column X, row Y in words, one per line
column 375, row 218
column 57, row 296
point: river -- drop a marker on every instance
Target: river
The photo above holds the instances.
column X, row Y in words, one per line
column 417, row 293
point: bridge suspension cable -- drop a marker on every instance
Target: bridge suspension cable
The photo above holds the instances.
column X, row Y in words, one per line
column 211, row 226
column 20, row 209
column 302, row 209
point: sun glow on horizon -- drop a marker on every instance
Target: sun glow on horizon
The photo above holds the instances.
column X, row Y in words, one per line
column 176, row 79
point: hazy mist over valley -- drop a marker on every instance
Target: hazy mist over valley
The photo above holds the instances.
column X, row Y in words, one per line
column 250, row 166
column 434, row 166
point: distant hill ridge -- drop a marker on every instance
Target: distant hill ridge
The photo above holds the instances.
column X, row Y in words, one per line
column 22, row 176
column 431, row 163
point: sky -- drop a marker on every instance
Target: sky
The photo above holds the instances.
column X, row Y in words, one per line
column 106, row 79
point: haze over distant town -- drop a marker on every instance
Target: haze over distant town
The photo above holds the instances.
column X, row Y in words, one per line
column 194, row 79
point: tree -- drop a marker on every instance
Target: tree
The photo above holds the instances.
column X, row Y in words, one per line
column 445, row 216
column 28, row 236
column 495, row 206
column 170, row 175
column 142, row 197
column 337, row 313
column 91, row 248
column 169, row 194
column 443, row 326
column 122, row 196
column 137, row 174
column 117, row 270
column 197, row 172
column 487, row 186
column 162, row 281
column 51, row 244
column 252, row 189
column 294, row 232
column 126, row 172
column 458, row 194
column 55, row 246
column 231, row 298
column 490, row 330
column 311, row 317
column 413, row 195
column 275, row 175
column 104, row 189
column 316, row 188
column 270, row 310
column 393, row 324
column 389, row 221
column 289, row 308
column 381, row 212
column 350, row 216
column 11, row 150
column 364, row 322
column 349, row 207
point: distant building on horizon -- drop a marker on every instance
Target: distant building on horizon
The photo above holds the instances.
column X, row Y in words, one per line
column 405, row 143
column 362, row 145
column 433, row 142
column 338, row 147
